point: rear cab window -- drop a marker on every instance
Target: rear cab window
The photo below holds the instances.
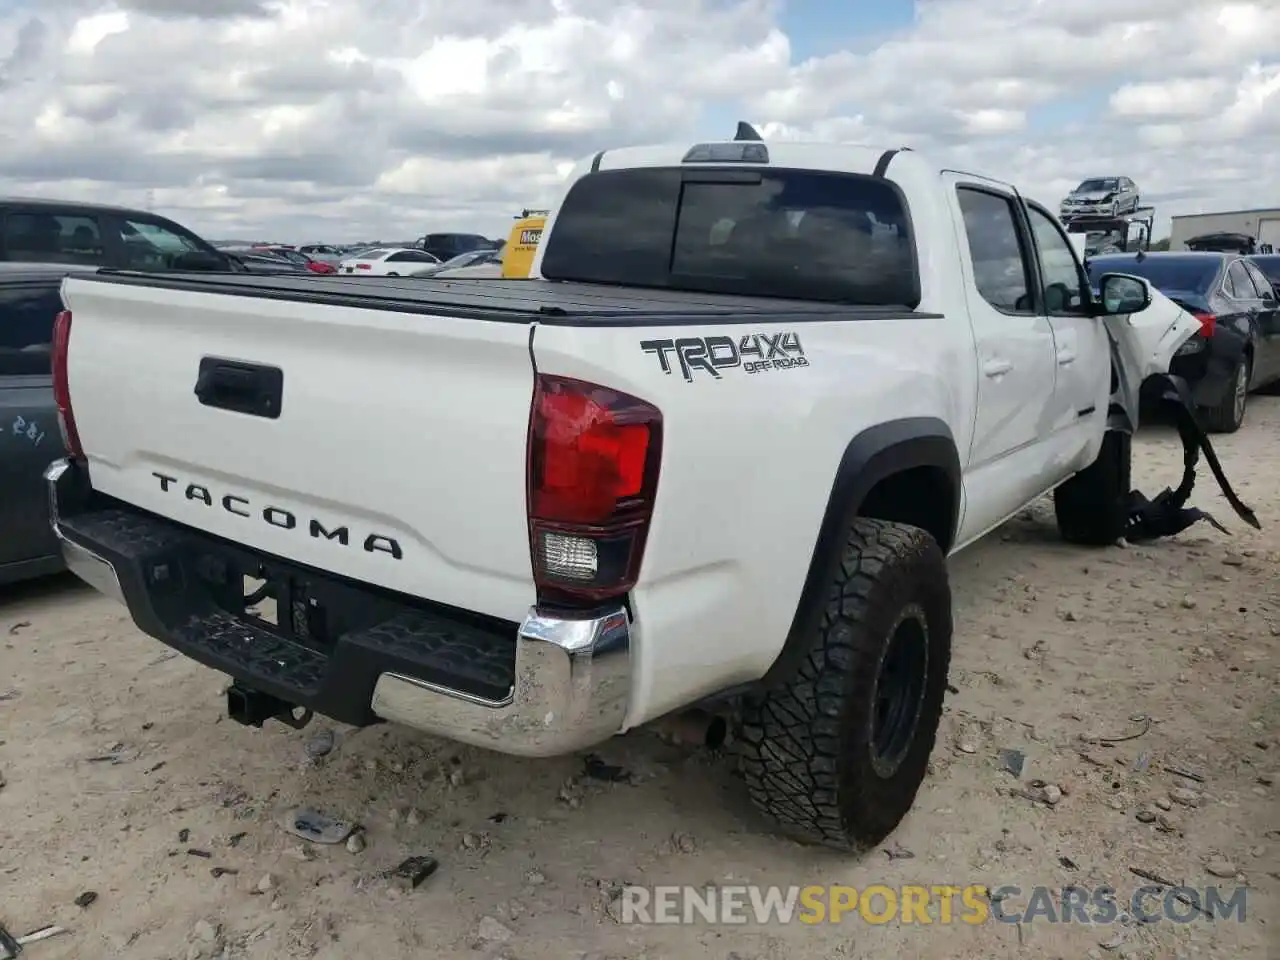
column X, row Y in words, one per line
column 768, row 232
column 27, row 311
column 39, row 236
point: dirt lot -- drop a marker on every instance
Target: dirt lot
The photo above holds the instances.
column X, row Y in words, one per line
column 123, row 778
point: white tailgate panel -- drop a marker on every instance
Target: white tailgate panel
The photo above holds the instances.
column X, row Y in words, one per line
column 400, row 426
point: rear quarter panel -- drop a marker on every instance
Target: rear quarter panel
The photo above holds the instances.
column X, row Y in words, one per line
column 748, row 464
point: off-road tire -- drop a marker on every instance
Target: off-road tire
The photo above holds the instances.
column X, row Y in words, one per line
column 1225, row 416
column 805, row 743
column 1092, row 507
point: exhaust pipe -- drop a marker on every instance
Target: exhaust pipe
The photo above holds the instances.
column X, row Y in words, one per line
column 694, row 728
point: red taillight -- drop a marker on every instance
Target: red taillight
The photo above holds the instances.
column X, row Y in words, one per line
column 593, row 465
column 61, row 388
column 1208, row 323
column 364, row 266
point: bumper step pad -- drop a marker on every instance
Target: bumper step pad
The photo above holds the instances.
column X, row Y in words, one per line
column 164, row 571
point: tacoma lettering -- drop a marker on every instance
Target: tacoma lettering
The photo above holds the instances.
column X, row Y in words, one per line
column 278, row 517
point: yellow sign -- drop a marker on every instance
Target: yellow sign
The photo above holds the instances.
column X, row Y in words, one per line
column 522, row 245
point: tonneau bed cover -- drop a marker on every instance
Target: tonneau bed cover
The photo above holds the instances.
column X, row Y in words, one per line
column 520, row 301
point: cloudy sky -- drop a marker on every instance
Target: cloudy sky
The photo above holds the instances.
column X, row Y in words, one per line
column 356, row 119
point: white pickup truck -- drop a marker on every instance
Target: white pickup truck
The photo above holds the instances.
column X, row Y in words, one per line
column 716, row 451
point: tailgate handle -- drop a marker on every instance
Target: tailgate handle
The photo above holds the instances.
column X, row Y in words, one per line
column 249, row 388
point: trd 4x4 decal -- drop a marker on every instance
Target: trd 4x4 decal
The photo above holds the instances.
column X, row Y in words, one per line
column 754, row 353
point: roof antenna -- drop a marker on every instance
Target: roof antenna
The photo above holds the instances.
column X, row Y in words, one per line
column 747, row 132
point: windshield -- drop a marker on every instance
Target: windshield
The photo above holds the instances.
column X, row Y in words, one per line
column 798, row 234
column 1168, row 274
column 1095, row 186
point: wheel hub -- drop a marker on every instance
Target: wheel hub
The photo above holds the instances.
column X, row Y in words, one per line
column 900, row 685
column 1240, row 391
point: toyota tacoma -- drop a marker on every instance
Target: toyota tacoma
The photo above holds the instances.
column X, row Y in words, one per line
column 716, row 451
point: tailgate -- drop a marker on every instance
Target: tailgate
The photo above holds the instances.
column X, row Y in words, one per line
column 396, row 457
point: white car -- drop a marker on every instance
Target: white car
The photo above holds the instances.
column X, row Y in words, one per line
column 388, row 262
column 681, row 471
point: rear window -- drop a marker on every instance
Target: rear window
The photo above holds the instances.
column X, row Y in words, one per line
column 39, row 237
column 1178, row 274
column 27, row 311
column 1270, row 265
column 796, row 234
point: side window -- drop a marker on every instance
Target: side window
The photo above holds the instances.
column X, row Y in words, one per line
column 39, row 237
column 1064, row 281
column 1238, row 283
column 151, row 246
column 1260, row 280
column 999, row 268
column 399, row 257
column 26, row 328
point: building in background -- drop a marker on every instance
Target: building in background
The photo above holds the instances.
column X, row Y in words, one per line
column 1262, row 224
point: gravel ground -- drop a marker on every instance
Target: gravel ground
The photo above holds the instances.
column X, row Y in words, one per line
column 122, row 778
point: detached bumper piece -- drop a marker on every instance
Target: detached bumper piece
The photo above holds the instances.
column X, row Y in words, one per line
column 1168, row 514
column 358, row 654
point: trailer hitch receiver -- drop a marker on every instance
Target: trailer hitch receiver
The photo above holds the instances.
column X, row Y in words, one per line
column 253, row 708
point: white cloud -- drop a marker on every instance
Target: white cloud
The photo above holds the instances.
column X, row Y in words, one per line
column 310, row 118
column 1187, row 97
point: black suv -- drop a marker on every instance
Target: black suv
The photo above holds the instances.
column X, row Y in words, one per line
column 446, row 246
column 83, row 234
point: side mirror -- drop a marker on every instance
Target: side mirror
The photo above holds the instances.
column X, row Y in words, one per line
column 199, row 261
column 1120, row 294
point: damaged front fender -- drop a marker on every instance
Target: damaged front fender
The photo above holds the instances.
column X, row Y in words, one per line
column 1142, row 346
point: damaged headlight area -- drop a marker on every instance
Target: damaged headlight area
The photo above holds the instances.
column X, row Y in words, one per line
column 1193, row 346
column 1140, row 356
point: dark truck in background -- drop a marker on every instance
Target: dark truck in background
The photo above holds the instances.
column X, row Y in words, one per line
column 30, row 299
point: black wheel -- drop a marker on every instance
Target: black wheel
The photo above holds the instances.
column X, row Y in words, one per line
column 1227, row 414
column 1091, row 507
column 834, row 752
column 393, row 274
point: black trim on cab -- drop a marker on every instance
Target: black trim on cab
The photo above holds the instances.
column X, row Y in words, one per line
column 549, row 303
column 874, row 455
column 882, row 165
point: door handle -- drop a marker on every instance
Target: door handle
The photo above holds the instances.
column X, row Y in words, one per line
column 997, row 368
column 1066, row 356
column 250, row 388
